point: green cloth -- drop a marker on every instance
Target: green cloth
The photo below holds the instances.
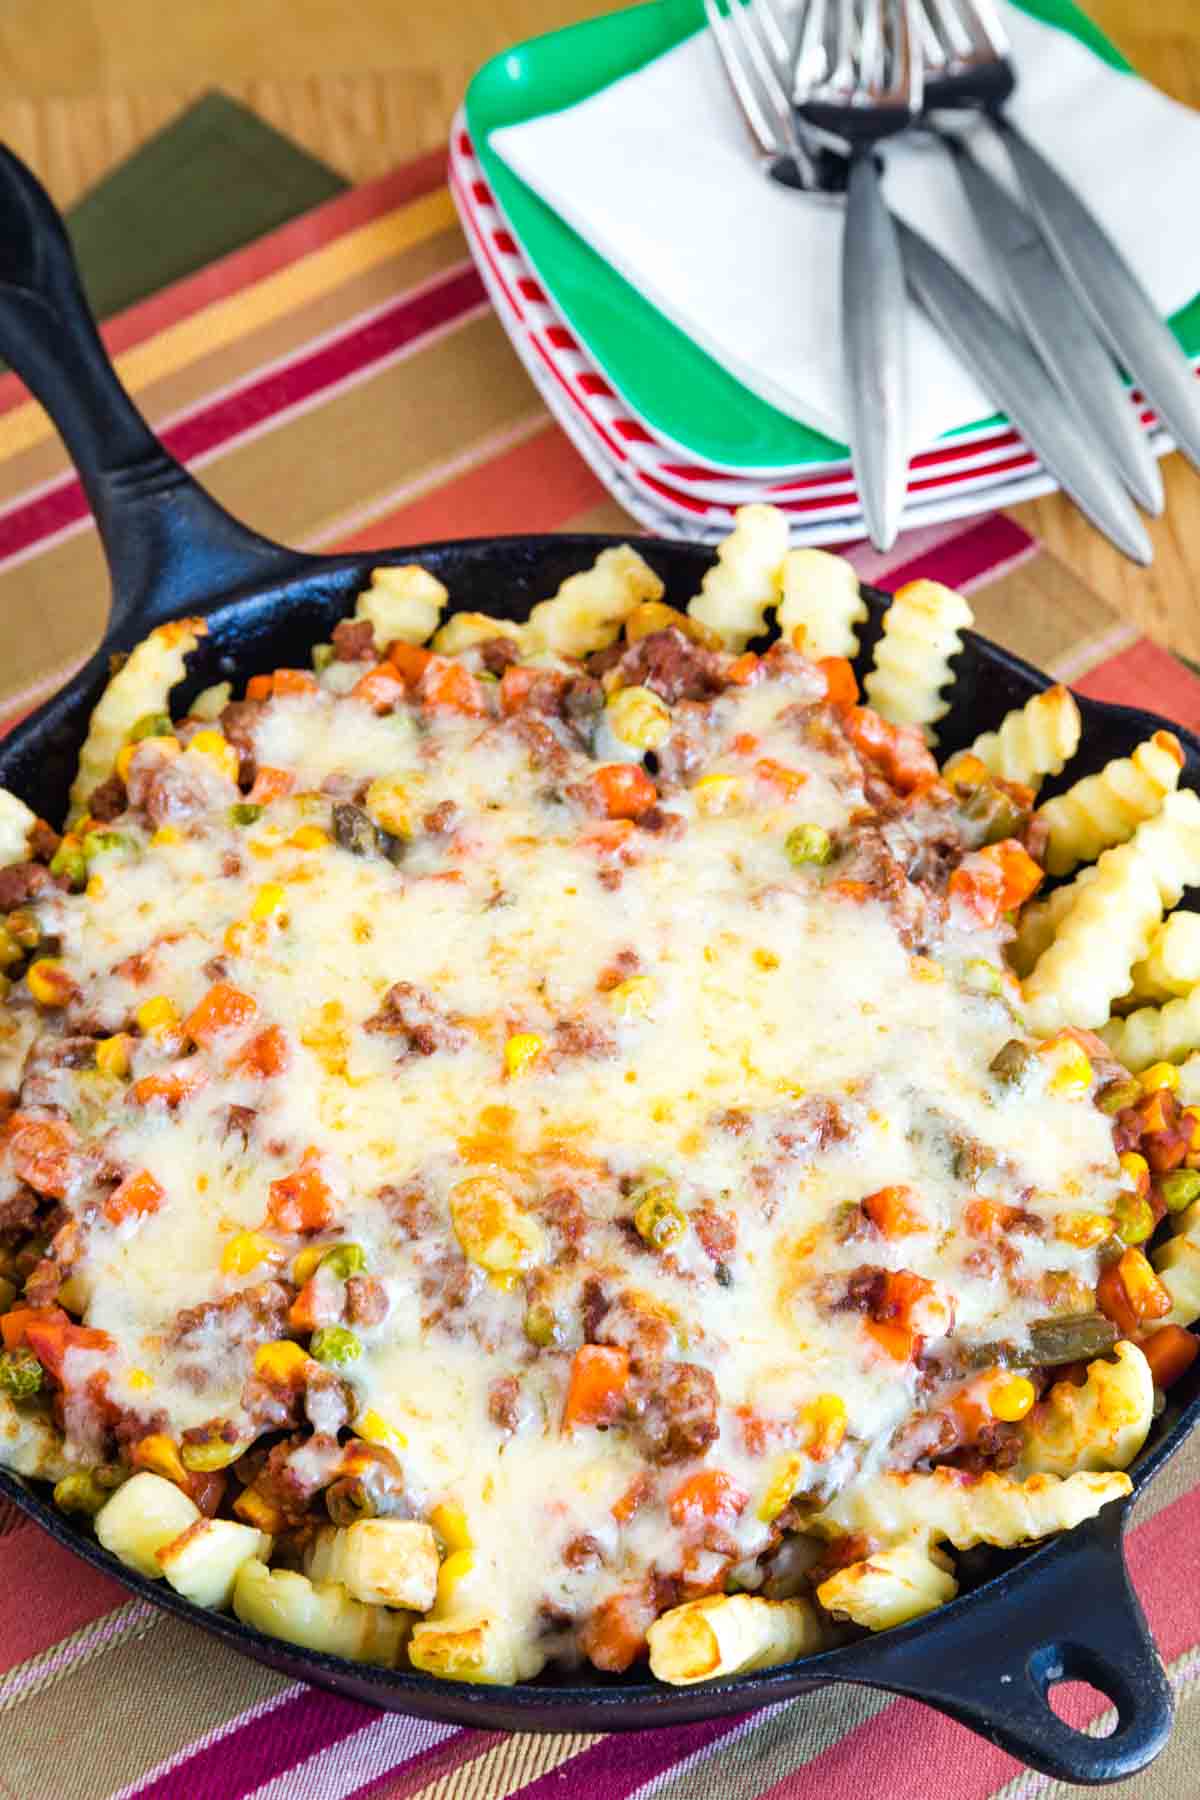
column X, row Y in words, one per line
column 214, row 179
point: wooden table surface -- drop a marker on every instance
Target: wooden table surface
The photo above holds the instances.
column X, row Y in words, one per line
column 369, row 83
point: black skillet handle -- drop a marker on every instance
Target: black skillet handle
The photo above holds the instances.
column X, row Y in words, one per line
column 170, row 548
column 1071, row 1616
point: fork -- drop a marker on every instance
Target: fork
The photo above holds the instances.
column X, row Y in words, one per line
column 856, row 81
column 968, row 64
column 1011, row 374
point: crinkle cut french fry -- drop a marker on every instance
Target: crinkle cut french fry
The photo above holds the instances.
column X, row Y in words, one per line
column 912, row 659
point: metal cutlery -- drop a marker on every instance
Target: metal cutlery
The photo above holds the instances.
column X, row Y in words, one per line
column 967, row 64
column 857, row 79
column 1012, row 375
column 1044, row 304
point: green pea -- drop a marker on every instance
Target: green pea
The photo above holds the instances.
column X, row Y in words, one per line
column 322, row 656
column 156, row 724
column 24, row 929
column 542, row 1326
column 345, row 1260
column 1180, row 1188
column 1133, row 1218
column 333, row 1344
column 80, row 1493
column 659, row 1218
column 246, row 812
column 809, row 844
column 69, row 861
column 20, row 1373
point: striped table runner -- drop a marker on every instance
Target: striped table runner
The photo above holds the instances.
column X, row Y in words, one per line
column 342, row 383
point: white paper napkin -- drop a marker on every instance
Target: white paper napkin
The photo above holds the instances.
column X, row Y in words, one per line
column 656, row 173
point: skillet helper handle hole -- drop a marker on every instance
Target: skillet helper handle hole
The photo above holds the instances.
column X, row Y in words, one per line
column 171, row 549
column 993, row 1658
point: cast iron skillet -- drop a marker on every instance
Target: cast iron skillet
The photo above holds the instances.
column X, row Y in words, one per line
column 1024, row 1621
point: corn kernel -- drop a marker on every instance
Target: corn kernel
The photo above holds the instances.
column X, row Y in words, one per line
column 307, row 1262
column 166, row 835
column 1070, row 1070
column 157, row 1015
column 112, row 1055
column 456, row 1567
column 255, row 1509
column 309, row 837
column 95, row 888
column 160, row 1454
column 522, row 1050
column 49, row 982
column 375, row 1429
column 717, row 794
column 632, row 999
column 639, row 718
column 246, row 1250
column 389, row 805
column 492, row 1230
column 140, row 1380
column 1011, row 1398
column 1146, row 1293
column 1159, row 1075
column 124, row 757
column 450, row 1522
column 167, row 746
column 219, row 751
column 782, row 1485
column 1083, row 1229
column 824, row 1421
column 1137, row 1171
column 269, row 899
column 281, row 1361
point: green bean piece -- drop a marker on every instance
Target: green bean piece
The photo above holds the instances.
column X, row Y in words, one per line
column 155, row 724
column 349, row 1500
column 103, row 843
column 658, row 1216
column 20, row 1373
column 1011, row 1062
column 1076, row 1338
column 334, row 1346
column 809, row 844
column 542, row 1326
column 355, row 830
column 246, row 812
column 1179, row 1188
column 80, row 1493
column 1117, row 1096
column 345, row 1260
column 982, row 977
column 69, row 861
column 1133, row 1218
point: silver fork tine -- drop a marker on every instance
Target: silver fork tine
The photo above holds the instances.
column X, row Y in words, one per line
column 779, row 43
column 812, row 56
column 760, row 127
column 744, row 20
column 948, row 21
column 870, row 49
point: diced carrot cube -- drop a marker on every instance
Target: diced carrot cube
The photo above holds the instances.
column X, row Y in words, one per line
column 625, row 790
column 381, row 688
column 223, row 1008
column 136, row 1196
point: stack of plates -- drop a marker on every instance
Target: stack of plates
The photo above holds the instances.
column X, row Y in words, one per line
column 672, row 434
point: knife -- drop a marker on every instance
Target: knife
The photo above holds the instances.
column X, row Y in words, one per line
column 874, row 352
column 1110, row 291
column 1045, row 305
column 1014, row 378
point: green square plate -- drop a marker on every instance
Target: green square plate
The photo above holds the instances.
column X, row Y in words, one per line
column 680, row 392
